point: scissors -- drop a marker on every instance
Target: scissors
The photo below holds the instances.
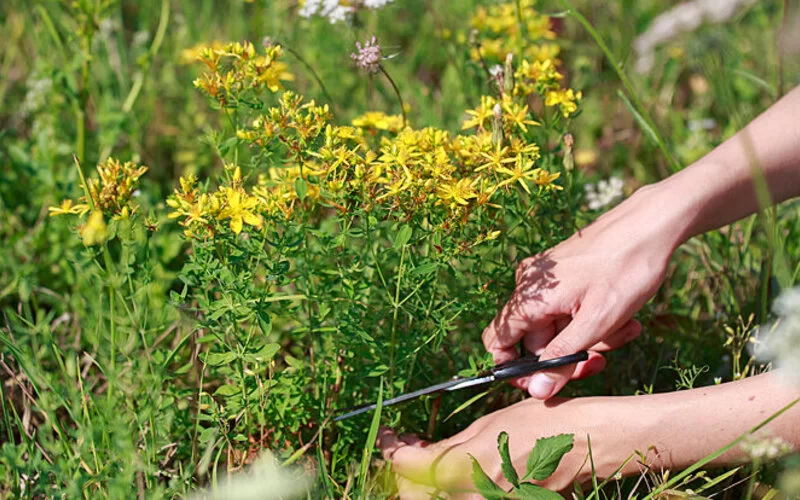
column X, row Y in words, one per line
column 510, row 369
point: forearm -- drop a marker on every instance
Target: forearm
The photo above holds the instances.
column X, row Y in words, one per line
column 719, row 188
column 683, row 427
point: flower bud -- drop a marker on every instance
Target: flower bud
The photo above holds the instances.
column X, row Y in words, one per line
column 497, row 125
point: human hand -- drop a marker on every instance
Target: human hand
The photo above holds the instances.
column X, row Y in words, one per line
column 582, row 293
column 424, row 468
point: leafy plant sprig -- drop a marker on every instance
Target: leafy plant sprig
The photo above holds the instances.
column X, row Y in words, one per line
column 542, row 463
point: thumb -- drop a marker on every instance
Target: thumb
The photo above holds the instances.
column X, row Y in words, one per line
column 586, row 329
column 407, row 453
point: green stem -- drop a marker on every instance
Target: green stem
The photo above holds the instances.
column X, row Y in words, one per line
column 396, row 306
column 662, row 145
column 139, row 79
column 111, row 320
column 397, row 92
column 311, row 70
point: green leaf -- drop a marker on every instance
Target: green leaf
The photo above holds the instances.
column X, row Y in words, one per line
column 484, row 484
column 403, row 236
column 425, row 269
column 530, row 491
column 546, row 455
column 264, row 321
column 301, row 187
column 226, row 390
column 266, row 353
column 508, row 467
column 220, row 358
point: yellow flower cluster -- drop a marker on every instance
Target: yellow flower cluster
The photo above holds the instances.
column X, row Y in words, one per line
column 110, row 192
column 378, row 120
column 199, row 210
column 377, row 163
column 237, row 67
column 502, row 29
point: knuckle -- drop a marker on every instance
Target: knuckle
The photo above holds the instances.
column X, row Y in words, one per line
column 560, row 346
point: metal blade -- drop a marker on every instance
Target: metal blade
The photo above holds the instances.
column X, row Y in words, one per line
column 472, row 382
column 444, row 386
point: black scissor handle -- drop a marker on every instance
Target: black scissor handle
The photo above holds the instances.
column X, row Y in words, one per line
column 529, row 364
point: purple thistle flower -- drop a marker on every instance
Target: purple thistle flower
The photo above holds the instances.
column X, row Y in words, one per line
column 368, row 56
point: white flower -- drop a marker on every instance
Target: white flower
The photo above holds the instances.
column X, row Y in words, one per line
column 495, row 70
column 684, row 17
column 335, row 11
column 376, row 4
column 35, row 98
column 309, row 8
column 781, row 344
column 604, row 193
column 765, row 448
column 704, row 124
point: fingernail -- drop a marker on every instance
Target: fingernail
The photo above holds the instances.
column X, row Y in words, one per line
column 541, row 386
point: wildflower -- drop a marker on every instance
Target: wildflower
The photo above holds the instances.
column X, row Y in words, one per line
column 782, row 343
column 523, row 170
column 564, row 99
column 684, row 17
column 379, row 120
column 516, row 115
column 480, row 115
column 369, row 55
column 67, row 206
column 765, row 448
column 457, row 192
column 604, row 193
column 95, row 231
column 238, row 208
column 376, row 4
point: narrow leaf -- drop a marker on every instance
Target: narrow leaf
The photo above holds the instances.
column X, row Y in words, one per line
column 466, row 404
column 369, row 447
column 546, row 456
column 508, row 467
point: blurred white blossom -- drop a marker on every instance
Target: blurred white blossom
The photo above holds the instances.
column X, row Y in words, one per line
column 684, row 17
column 704, row 124
column 765, row 448
column 604, row 193
column 265, row 479
column 336, row 11
column 36, row 97
column 781, row 343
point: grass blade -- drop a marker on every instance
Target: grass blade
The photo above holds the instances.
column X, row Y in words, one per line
column 370, row 445
column 713, row 456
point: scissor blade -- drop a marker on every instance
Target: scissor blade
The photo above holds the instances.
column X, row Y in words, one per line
column 472, row 382
column 357, row 410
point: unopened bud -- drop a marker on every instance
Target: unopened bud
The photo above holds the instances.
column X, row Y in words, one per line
column 509, row 74
column 569, row 159
column 497, row 125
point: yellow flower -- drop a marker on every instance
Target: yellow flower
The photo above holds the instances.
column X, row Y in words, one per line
column 480, row 116
column 67, row 207
column 523, row 170
column 239, row 209
column 564, row 99
column 457, row 192
column 95, row 230
column 515, row 114
column 379, row 120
